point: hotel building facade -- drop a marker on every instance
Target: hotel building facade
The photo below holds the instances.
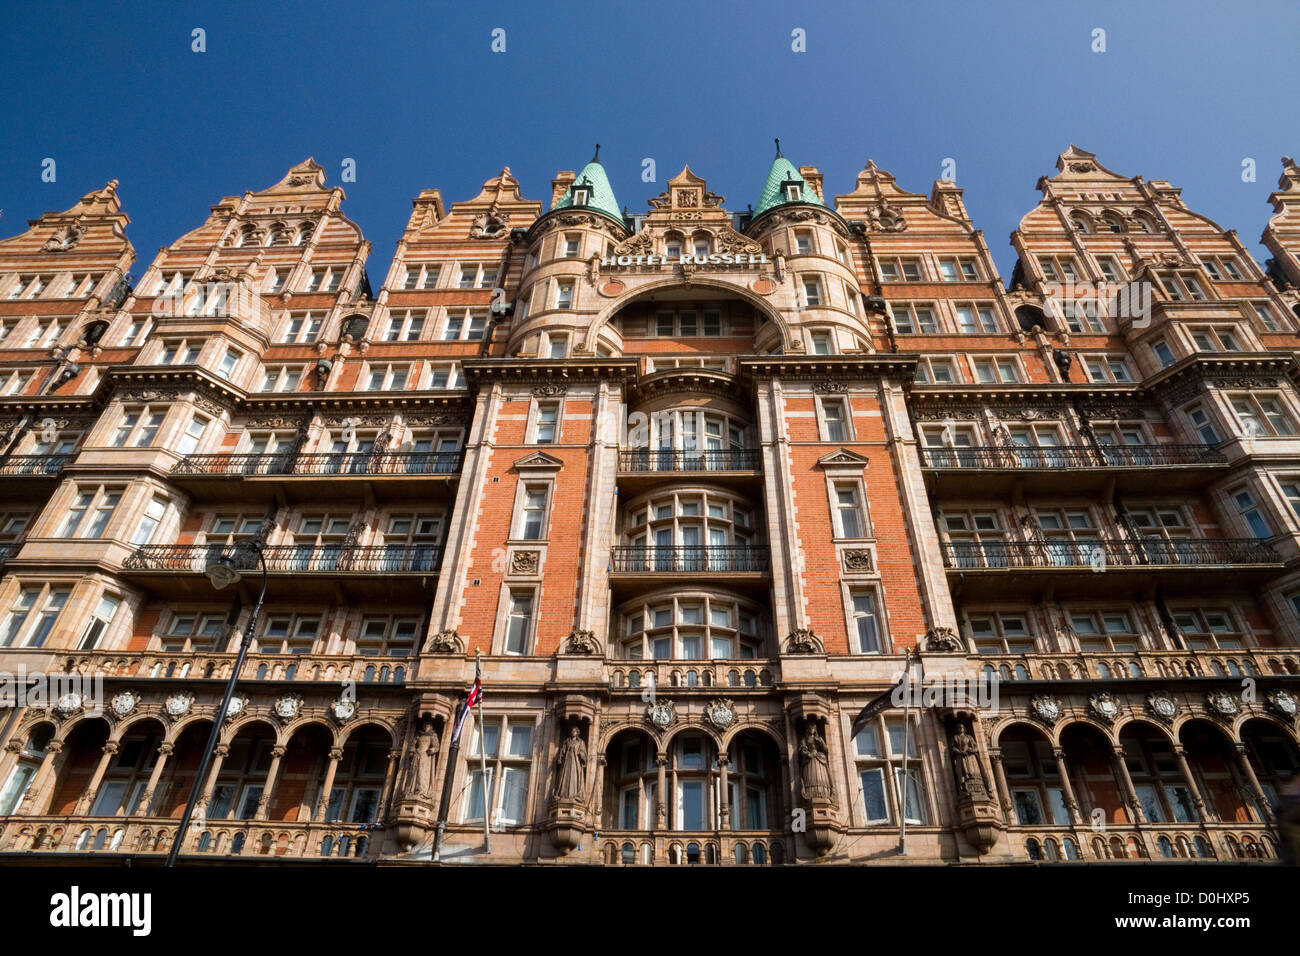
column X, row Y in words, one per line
column 693, row 484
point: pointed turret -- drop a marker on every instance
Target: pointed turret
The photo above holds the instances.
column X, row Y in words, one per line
column 780, row 188
column 599, row 194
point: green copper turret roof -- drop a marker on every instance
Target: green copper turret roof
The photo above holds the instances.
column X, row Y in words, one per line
column 773, row 195
column 602, row 194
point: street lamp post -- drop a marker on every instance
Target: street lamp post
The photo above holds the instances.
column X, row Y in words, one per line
column 222, row 572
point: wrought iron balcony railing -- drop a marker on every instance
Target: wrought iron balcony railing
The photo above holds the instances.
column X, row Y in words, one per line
column 340, row 463
column 1069, row 456
column 700, row 559
column 291, row 558
column 655, row 459
column 1097, row 553
column 33, row 465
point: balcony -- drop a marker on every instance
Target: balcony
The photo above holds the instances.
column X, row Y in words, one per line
column 33, row 466
column 991, row 469
column 312, row 476
column 1148, row 843
column 247, row 840
column 639, row 569
column 1074, row 567
column 301, row 571
column 640, row 468
column 217, row 665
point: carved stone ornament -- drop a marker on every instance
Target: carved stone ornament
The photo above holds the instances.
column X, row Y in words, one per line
column 446, row 642
column 582, row 642
column 943, row 640
column 1104, row 705
column 64, row 239
column 721, row 713
column 1046, row 708
column 803, row 641
column 238, row 704
column 830, row 386
column 887, row 218
column 661, row 714
column 178, row 704
column 858, row 559
column 489, row 225
column 1222, row 702
column 525, row 562
column 1162, row 705
column 288, row 706
column 1082, row 167
column 1282, row 702
column 343, row 709
column 124, row 702
column 550, row 391
column 69, row 704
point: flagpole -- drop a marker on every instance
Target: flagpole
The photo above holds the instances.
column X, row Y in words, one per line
column 482, row 758
column 445, row 802
column 907, row 707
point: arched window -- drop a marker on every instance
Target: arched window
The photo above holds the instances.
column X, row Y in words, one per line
column 1080, row 223
column 760, row 854
column 739, row 853
column 1165, row 848
column 629, row 854
column 1071, row 849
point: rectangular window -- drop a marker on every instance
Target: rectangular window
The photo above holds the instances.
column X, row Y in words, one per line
column 1251, row 516
column 149, row 521
column 25, row 625
column 849, row 511
column 532, row 525
column 865, row 624
column 812, row 292
column 519, row 623
column 100, row 622
column 564, row 295
column 547, row 427
column 834, row 420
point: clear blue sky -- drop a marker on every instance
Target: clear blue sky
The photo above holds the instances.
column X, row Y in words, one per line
column 413, row 93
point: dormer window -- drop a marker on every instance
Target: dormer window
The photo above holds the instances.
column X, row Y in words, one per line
column 582, row 193
column 793, row 190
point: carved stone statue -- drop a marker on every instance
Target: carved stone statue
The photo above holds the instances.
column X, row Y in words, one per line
column 418, row 784
column 814, row 764
column 966, row 763
column 571, row 768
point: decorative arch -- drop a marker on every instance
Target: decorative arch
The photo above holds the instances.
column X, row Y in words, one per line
column 602, row 318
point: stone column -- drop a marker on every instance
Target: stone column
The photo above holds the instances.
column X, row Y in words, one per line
column 724, row 795
column 219, row 754
column 390, row 782
column 1000, row 781
column 164, row 751
column 38, row 780
column 1244, row 759
column 323, row 804
column 1201, row 807
column 1064, row 771
column 661, row 792
column 11, row 751
column 268, row 788
column 598, row 792
column 88, row 795
column 1120, row 769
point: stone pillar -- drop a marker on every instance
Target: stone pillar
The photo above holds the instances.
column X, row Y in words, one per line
column 1064, row 771
column 390, row 782
column 38, row 780
column 219, row 754
column 164, row 751
column 661, row 792
column 598, row 792
column 1000, row 780
column 1120, row 769
column 323, row 805
column 1202, row 809
column 1249, row 772
column 11, row 751
column 724, row 796
column 88, row 795
column 268, row 788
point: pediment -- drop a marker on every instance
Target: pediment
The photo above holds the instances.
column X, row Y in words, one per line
column 539, row 460
column 843, row 458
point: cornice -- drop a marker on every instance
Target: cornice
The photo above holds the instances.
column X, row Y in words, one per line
column 834, row 367
column 548, row 371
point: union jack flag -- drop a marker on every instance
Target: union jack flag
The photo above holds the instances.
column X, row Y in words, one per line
column 475, row 695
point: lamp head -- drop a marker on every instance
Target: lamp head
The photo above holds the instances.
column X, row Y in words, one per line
column 222, row 572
